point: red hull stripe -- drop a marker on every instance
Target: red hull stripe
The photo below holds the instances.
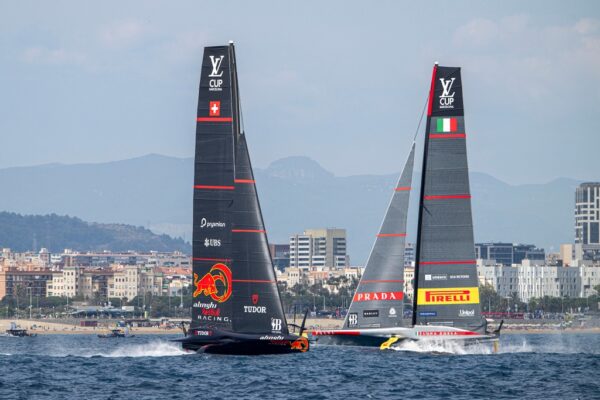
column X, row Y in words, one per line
column 248, row 231
column 332, row 333
column 401, row 189
column 244, row 181
column 448, row 136
column 448, row 196
column 383, row 280
column 213, row 187
column 214, row 119
column 211, row 259
column 252, row 281
column 448, row 262
column 391, row 234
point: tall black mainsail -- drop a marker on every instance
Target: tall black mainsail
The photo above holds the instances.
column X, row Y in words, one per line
column 379, row 297
column 446, row 283
column 236, row 304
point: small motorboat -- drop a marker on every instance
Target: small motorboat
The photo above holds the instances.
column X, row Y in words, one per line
column 16, row 331
column 116, row 333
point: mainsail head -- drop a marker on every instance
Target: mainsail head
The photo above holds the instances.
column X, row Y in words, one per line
column 378, row 300
column 446, row 283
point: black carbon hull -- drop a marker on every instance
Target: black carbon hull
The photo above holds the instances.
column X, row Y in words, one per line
column 245, row 344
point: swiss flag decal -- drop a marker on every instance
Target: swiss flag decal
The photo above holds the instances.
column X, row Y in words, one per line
column 214, row 109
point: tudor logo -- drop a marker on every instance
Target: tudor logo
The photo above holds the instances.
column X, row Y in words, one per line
column 352, row 319
column 276, row 324
column 447, row 98
column 255, row 309
column 214, row 85
column 255, row 299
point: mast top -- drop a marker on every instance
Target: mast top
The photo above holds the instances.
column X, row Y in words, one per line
column 435, row 63
column 231, row 42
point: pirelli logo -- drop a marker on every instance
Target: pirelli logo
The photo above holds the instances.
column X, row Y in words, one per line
column 443, row 296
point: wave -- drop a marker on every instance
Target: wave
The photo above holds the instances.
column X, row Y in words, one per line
column 156, row 348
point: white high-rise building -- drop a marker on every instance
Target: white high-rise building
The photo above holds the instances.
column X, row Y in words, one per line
column 587, row 221
column 319, row 249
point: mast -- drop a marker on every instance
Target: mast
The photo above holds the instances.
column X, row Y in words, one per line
column 446, row 283
column 421, row 195
column 379, row 298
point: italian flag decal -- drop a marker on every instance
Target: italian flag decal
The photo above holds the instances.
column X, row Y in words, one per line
column 446, row 125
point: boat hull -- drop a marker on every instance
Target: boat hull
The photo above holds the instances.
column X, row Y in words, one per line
column 243, row 344
column 375, row 337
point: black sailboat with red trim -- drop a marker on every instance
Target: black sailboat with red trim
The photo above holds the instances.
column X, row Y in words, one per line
column 446, row 294
column 236, row 306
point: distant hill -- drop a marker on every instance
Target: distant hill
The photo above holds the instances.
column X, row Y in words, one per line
column 20, row 232
column 295, row 193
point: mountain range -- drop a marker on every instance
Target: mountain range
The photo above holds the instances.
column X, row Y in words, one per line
column 296, row 193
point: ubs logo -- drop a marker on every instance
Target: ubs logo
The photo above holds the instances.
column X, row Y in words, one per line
column 447, row 98
column 214, row 84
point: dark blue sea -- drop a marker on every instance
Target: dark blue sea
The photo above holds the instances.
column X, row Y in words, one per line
column 550, row 366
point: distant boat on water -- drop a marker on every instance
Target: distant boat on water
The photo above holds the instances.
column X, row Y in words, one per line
column 236, row 307
column 446, row 295
column 15, row 331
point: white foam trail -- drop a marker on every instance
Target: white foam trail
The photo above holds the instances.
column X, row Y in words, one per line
column 153, row 349
column 442, row 347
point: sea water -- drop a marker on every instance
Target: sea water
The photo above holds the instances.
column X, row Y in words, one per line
column 533, row 366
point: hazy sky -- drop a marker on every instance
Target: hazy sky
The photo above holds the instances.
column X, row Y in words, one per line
column 341, row 82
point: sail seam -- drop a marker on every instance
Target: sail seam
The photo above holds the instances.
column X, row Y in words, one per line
column 391, row 234
column 401, row 189
column 448, row 136
column 248, row 231
column 244, row 181
column 214, row 187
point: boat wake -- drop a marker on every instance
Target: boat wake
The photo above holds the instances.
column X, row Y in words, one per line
column 548, row 346
column 153, row 349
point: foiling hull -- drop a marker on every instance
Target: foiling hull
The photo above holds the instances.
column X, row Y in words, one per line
column 223, row 342
column 375, row 337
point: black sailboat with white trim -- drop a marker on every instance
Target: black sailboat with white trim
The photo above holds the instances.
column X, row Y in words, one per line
column 236, row 307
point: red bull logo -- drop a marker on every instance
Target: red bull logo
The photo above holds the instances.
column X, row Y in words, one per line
column 300, row 344
column 216, row 284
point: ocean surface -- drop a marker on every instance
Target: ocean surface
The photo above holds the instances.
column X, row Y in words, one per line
column 549, row 366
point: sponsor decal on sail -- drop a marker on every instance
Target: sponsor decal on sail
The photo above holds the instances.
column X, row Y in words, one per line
column 215, row 284
column 255, row 309
column 447, row 97
column 392, row 312
column 446, row 125
column 212, row 242
column 204, row 223
column 466, row 313
column 427, row 314
column 370, row 313
column 352, row 319
column 276, row 324
column 255, row 299
column 378, row 296
column 447, row 296
column 436, row 277
column 215, row 83
column 214, row 109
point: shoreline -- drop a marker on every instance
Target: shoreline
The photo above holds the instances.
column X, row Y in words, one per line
column 42, row 327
